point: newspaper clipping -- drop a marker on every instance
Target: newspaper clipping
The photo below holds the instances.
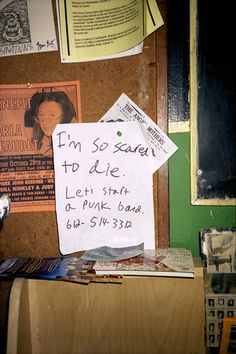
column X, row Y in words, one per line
column 28, row 116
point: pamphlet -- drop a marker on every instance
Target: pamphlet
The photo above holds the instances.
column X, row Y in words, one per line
column 94, row 30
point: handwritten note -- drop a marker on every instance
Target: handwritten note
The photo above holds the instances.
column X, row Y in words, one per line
column 103, row 183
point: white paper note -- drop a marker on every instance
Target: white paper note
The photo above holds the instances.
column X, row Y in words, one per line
column 103, row 182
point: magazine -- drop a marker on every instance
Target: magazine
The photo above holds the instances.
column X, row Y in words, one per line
column 95, row 30
column 170, row 262
column 72, row 269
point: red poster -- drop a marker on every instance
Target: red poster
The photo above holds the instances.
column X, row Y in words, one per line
column 28, row 116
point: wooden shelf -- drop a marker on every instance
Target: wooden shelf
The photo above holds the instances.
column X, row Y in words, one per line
column 143, row 315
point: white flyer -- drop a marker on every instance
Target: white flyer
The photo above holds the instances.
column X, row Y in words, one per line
column 125, row 110
column 26, row 26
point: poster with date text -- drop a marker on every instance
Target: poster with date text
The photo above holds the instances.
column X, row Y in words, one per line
column 26, row 168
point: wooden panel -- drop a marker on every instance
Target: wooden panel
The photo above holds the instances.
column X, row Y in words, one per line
column 19, row 302
column 143, row 315
column 161, row 188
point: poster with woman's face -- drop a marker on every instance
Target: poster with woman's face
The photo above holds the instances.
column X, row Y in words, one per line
column 28, row 115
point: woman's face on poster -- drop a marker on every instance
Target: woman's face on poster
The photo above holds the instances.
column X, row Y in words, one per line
column 49, row 115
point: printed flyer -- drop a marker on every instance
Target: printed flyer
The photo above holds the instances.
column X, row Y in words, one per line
column 102, row 29
column 28, row 116
column 26, row 26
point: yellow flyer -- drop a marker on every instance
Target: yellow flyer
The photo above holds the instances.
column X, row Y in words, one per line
column 98, row 29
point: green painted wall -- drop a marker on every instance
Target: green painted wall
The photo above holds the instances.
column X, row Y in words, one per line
column 186, row 220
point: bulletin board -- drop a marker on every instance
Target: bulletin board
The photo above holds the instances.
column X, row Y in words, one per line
column 142, row 77
column 212, row 106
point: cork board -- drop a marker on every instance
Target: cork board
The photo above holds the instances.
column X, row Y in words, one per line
column 142, row 77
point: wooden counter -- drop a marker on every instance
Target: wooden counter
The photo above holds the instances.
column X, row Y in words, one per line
column 145, row 315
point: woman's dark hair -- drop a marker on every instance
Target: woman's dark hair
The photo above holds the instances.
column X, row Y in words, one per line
column 68, row 110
